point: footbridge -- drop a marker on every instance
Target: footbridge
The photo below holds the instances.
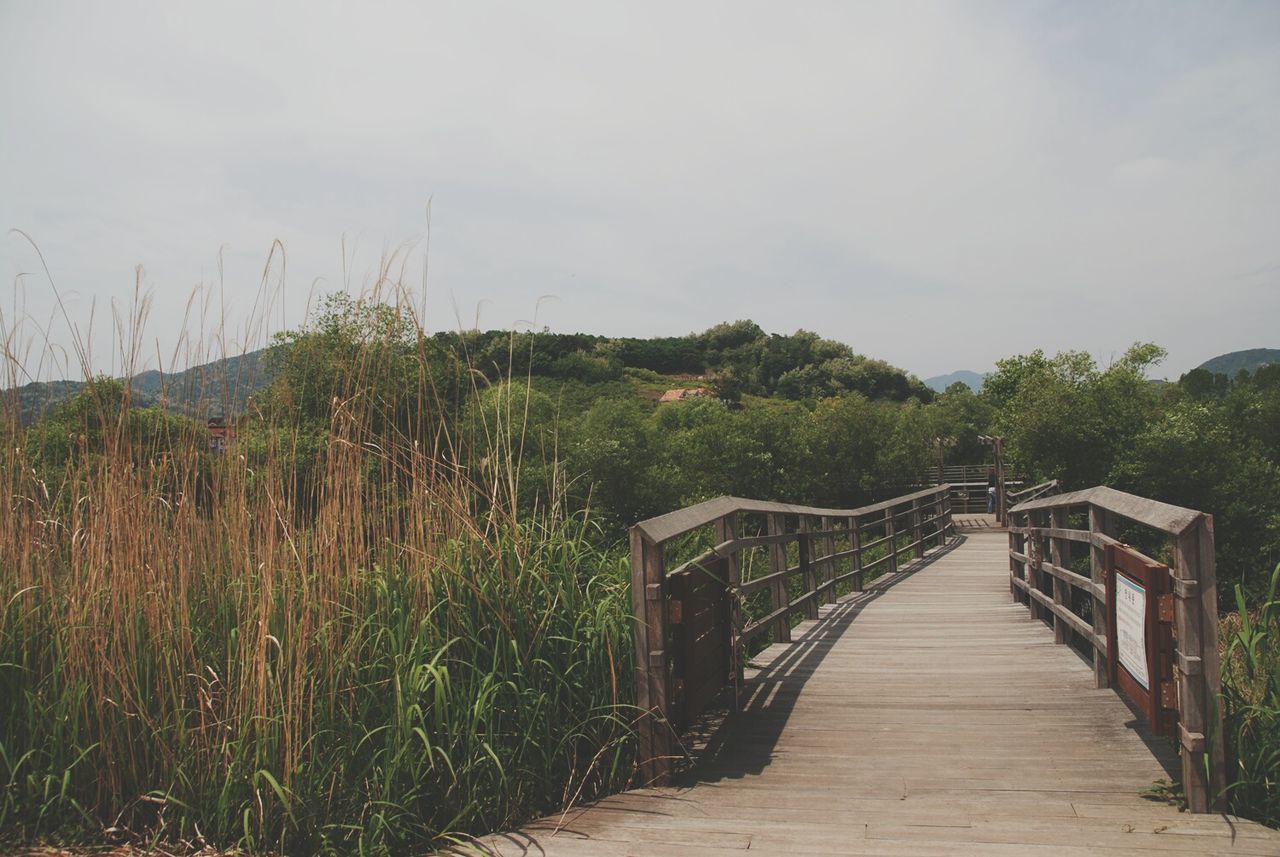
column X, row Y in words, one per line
column 896, row 679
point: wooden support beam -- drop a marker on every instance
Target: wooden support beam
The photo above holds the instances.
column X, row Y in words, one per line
column 1101, row 522
column 1196, row 627
column 649, row 602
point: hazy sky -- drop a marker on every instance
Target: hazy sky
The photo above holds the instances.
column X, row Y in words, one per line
column 936, row 184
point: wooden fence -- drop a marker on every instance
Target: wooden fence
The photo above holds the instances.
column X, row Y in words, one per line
column 692, row 625
column 968, row 483
column 969, row 486
column 1041, row 542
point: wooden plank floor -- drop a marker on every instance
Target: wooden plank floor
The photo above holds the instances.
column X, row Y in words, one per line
column 929, row 717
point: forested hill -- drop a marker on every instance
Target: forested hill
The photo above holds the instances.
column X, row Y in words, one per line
column 1249, row 360
column 731, row 360
column 208, row 388
column 972, row 380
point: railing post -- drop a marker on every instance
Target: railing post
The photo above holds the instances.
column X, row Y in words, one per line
column 649, row 602
column 917, row 529
column 855, row 545
column 1017, row 544
column 1060, row 555
column 891, row 533
column 1101, row 522
column 1196, row 618
column 829, row 549
column 727, row 530
column 948, row 523
column 806, row 570
column 1002, row 497
column 939, row 520
column 1034, row 553
column 778, row 589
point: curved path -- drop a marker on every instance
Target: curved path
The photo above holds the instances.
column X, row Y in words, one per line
column 928, row 716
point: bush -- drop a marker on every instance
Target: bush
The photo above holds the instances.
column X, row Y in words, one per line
column 1251, row 706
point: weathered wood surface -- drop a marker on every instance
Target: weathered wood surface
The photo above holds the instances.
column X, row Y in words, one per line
column 1173, row 520
column 968, row 522
column 930, row 717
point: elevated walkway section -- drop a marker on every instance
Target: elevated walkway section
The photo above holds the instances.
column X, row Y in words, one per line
column 929, row 715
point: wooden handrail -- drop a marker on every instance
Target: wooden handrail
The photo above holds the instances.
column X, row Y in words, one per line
column 1168, row 519
column 690, row 631
column 1044, row 582
column 663, row 528
column 1049, row 487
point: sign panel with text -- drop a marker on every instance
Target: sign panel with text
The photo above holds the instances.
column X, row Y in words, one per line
column 1139, row 643
column 1131, row 629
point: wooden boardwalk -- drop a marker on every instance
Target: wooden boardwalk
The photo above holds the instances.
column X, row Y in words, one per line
column 929, row 715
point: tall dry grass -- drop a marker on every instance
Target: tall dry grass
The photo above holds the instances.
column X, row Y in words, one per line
column 363, row 657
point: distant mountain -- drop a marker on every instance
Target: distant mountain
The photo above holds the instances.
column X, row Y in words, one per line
column 219, row 387
column 942, row 382
column 1249, row 360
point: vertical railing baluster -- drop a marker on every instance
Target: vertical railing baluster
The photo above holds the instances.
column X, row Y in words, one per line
column 917, row 530
column 1034, row 553
column 891, row 533
column 778, row 589
column 1060, row 555
column 832, row 567
column 807, row 575
column 1015, row 543
column 855, row 545
column 948, row 525
column 727, row 530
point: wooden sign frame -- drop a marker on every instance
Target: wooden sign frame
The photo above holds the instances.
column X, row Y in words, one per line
column 1159, row 700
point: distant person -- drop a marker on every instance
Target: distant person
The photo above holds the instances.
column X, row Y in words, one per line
column 991, row 490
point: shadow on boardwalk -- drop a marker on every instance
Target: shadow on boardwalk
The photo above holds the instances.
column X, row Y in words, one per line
column 770, row 695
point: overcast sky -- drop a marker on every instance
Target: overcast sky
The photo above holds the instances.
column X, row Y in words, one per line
column 936, row 184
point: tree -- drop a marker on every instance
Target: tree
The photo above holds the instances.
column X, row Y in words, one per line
column 962, row 415
column 1064, row 418
column 1196, row 456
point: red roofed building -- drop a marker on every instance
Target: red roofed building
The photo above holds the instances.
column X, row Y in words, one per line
column 221, row 435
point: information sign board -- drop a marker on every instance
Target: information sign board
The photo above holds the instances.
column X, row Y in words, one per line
column 1131, row 629
column 1139, row 643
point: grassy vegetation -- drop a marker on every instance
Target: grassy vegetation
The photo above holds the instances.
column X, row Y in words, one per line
column 1251, row 705
column 361, row 659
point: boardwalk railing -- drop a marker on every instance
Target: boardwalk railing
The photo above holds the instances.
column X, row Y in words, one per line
column 695, row 621
column 1076, row 604
column 968, row 484
column 1026, row 495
